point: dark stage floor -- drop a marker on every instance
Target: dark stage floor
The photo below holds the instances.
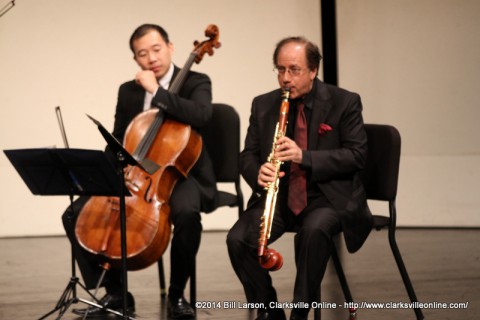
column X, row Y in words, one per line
column 444, row 266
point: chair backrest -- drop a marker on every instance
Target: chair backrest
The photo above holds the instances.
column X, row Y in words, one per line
column 380, row 177
column 222, row 140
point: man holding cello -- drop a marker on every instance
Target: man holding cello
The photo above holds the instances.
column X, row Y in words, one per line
column 190, row 105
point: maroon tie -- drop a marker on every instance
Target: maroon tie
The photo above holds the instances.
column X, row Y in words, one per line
column 297, row 190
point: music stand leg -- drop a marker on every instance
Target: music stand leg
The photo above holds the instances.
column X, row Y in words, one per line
column 123, row 231
column 69, row 295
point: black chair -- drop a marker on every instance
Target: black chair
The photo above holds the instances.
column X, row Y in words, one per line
column 222, row 139
column 380, row 179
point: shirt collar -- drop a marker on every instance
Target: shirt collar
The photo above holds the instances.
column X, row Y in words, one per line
column 164, row 82
column 309, row 98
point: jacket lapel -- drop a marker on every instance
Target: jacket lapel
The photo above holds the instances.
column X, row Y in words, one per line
column 320, row 109
column 137, row 97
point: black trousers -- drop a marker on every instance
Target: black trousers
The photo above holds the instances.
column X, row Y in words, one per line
column 185, row 205
column 314, row 227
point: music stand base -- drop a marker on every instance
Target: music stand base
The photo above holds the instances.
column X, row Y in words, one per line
column 69, row 297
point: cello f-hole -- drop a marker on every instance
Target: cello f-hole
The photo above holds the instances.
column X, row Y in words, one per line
column 147, row 191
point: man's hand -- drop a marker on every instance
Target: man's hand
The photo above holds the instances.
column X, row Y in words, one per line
column 266, row 174
column 288, row 150
column 147, row 79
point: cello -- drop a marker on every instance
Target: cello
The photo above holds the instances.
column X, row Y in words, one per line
column 168, row 149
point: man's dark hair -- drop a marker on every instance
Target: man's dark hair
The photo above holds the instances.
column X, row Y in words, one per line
column 311, row 51
column 144, row 29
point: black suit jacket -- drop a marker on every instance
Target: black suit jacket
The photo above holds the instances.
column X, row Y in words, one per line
column 333, row 159
column 192, row 105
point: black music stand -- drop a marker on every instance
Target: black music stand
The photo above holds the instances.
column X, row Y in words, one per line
column 74, row 172
column 123, row 159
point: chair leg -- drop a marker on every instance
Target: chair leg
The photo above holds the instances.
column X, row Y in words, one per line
column 341, row 278
column 400, row 263
column 343, row 282
column 193, row 282
column 238, row 190
column 405, row 277
column 317, row 312
column 341, row 275
column 193, row 286
column 161, row 275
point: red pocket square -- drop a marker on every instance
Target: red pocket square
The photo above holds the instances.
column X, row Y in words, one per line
column 324, row 128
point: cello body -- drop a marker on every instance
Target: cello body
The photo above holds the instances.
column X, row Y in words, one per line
column 175, row 150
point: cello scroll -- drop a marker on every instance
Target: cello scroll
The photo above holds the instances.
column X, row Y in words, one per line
column 207, row 46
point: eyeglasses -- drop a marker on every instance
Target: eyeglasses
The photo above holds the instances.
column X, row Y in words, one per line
column 295, row 71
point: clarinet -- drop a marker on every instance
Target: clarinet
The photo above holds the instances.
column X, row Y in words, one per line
column 270, row 259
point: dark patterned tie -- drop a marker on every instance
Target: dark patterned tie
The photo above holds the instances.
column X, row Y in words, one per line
column 297, row 190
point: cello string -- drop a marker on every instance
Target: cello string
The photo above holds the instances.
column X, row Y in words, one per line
column 147, row 140
column 178, row 82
